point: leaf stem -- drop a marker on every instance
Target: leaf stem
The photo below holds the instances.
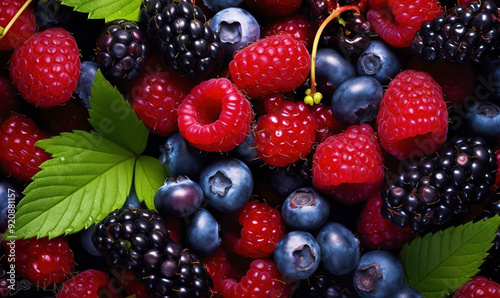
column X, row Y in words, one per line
column 14, row 19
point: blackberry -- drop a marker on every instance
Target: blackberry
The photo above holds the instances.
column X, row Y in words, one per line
column 459, row 35
column 441, row 187
column 122, row 51
column 138, row 240
column 320, row 285
column 51, row 13
column 179, row 30
column 491, row 265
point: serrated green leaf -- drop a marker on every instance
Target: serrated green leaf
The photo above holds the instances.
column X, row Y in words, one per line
column 437, row 264
column 109, row 10
column 87, row 177
column 149, row 175
column 114, row 118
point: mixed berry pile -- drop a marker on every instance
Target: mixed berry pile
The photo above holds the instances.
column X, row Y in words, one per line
column 305, row 143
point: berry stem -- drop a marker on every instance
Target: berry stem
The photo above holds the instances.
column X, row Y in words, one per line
column 337, row 12
column 3, row 31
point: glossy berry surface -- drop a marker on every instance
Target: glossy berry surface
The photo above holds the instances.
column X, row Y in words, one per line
column 180, row 158
column 19, row 156
column 378, row 274
column 278, row 63
column 297, row 25
column 178, row 197
column 380, row 61
column 484, row 119
column 419, row 133
column 348, row 166
column 215, row 116
column 22, row 28
column 227, row 184
column 50, row 81
column 334, row 67
column 202, row 233
column 285, row 134
column 356, row 100
column 84, row 284
column 297, row 255
column 261, row 228
column 305, row 209
column 339, row 248
column 85, row 81
column 479, row 286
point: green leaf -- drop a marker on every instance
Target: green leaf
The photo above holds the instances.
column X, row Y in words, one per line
column 437, row 264
column 150, row 175
column 114, row 118
column 87, row 177
column 109, row 10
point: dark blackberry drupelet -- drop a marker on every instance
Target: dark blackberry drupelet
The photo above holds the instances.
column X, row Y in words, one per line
column 122, row 51
column 179, row 30
column 321, row 284
column 138, row 240
column 441, row 187
column 459, row 35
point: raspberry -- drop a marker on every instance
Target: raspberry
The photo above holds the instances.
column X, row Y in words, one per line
column 397, row 21
column 263, row 279
column 327, row 125
column 377, row 232
column 46, row 67
column 156, row 97
column 262, row 228
column 9, row 102
column 285, row 134
column 84, row 284
column 273, row 8
column 496, row 186
column 43, row 261
column 215, row 116
column 348, row 166
column 22, row 28
column 278, row 63
column 298, row 26
column 478, row 287
column 412, row 118
column 19, row 157
column 219, row 268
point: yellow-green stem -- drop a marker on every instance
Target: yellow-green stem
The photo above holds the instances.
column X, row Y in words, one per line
column 13, row 20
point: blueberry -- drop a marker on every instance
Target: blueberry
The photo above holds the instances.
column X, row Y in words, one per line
column 86, row 241
column 227, row 183
column 305, row 209
column 484, row 119
column 339, row 248
column 297, row 255
column 87, row 75
column 334, row 67
column 493, row 77
column 202, row 233
column 132, row 200
column 406, row 291
column 180, row 158
column 9, row 197
column 284, row 180
column 379, row 61
column 378, row 274
column 356, row 101
column 236, row 28
column 217, row 5
column 247, row 152
column 178, row 197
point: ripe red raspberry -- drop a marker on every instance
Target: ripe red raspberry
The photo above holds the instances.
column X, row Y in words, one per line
column 46, row 67
column 397, row 21
column 19, row 157
column 9, row 101
column 412, row 119
column 262, row 228
column 22, row 28
column 43, row 261
column 285, row 134
column 348, row 166
column 496, row 186
column 298, row 26
column 65, row 118
column 84, row 284
column 327, row 124
column 278, row 63
column 376, row 231
column 215, row 116
column 478, row 287
column 219, row 268
column 273, row 8
column 156, row 97
column 263, row 279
